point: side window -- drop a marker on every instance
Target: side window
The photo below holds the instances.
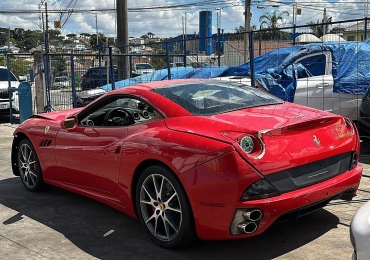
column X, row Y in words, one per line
column 119, row 111
column 315, row 64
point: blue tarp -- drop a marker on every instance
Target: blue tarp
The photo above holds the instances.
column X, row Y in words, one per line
column 278, row 71
column 176, row 73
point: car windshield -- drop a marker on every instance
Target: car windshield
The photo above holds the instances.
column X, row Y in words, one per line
column 143, row 66
column 4, row 75
column 216, row 97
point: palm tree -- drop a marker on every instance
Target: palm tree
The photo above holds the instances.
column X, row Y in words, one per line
column 273, row 22
column 318, row 29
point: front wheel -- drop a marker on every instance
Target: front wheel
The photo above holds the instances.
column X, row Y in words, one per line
column 29, row 166
column 163, row 208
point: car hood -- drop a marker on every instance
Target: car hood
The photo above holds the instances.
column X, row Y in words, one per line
column 58, row 115
column 288, row 135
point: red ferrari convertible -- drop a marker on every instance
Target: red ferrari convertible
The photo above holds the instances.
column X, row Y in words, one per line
column 193, row 158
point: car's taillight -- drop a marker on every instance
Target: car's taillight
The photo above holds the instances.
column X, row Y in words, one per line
column 250, row 144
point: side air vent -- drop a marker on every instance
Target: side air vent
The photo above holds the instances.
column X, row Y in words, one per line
column 45, row 143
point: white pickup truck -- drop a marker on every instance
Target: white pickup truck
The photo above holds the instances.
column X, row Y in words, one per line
column 5, row 79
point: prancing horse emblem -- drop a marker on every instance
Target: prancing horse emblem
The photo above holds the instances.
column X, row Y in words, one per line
column 46, row 129
column 316, row 140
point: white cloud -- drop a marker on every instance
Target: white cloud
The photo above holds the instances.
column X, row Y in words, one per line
column 160, row 22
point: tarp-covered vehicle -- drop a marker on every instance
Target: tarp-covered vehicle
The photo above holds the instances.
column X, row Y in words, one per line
column 331, row 76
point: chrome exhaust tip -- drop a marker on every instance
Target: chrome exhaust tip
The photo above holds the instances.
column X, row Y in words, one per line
column 253, row 215
column 247, row 227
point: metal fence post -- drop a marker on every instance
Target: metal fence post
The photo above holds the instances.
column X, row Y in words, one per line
column 365, row 33
column 111, row 69
column 168, row 62
column 32, row 79
column 251, row 57
column 100, row 69
column 74, row 95
column 9, row 90
column 184, row 47
column 47, row 82
column 218, row 44
column 130, row 60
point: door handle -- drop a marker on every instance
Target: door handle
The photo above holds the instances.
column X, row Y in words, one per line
column 322, row 85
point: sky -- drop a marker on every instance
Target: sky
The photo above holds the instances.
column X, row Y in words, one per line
column 161, row 18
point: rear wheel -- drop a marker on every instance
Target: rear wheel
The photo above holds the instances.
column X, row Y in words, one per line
column 29, row 166
column 163, row 208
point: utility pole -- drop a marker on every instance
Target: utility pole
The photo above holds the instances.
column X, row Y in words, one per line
column 294, row 17
column 46, row 29
column 122, row 39
column 9, row 40
column 324, row 21
column 366, row 15
column 247, row 28
column 97, row 31
column 219, row 17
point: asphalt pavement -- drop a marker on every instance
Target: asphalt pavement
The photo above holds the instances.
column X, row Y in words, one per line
column 57, row 224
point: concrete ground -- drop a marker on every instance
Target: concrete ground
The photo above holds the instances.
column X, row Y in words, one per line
column 57, row 224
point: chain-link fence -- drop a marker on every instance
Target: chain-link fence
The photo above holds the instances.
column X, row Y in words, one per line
column 287, row 57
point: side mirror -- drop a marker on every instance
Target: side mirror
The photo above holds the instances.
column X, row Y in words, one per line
column 69, row 123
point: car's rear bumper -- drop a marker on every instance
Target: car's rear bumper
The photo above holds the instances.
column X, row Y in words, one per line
column 276, row 209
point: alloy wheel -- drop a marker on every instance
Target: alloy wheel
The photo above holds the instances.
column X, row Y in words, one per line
column 160, row 207
column 28, row 167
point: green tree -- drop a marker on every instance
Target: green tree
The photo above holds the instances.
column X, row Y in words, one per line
column 59, row 64
column 159, row 62
column 318, row 28
column 273, row 22
column 337, row 30
column 20, row 67
column 31, row 40
column 71, row 35
column 54, row 34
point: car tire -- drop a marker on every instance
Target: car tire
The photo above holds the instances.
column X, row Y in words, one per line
column 29, row 168
column 163, row 208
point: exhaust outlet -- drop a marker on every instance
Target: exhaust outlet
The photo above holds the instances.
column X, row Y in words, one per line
column 247, row 227
column 253, row 215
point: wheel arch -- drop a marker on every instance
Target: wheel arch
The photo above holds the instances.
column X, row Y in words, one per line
column 141, row 167
column 18, row 137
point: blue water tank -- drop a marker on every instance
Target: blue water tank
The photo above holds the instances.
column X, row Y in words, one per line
column 205, row 31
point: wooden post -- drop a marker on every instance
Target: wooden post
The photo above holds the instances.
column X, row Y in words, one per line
column 38, row 68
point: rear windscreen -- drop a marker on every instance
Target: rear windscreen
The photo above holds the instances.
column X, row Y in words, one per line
column 215, row 97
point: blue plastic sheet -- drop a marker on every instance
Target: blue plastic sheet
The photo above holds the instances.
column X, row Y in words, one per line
column 274, row 70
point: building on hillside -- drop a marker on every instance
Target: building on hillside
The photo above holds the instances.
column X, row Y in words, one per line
column 9, row 49
column 136, row 45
